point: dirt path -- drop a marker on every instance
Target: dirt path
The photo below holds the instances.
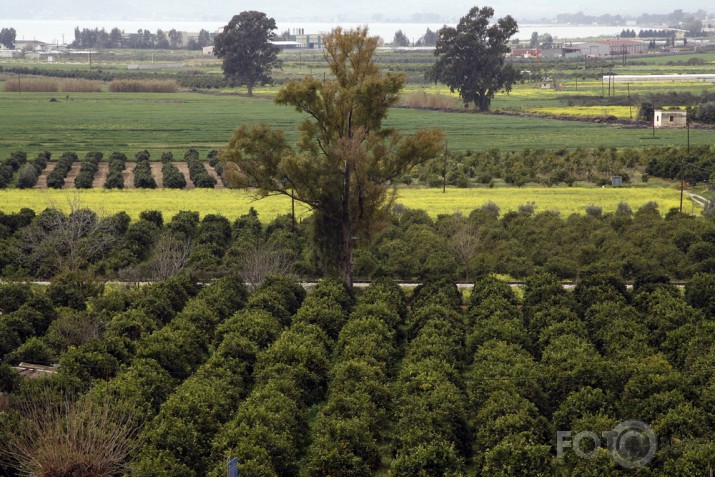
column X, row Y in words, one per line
column 128, row 175
column 184, row 169
column 157, row 174
column 101, row 176
column 214, row 174
column 42, row 180
column 71, row 175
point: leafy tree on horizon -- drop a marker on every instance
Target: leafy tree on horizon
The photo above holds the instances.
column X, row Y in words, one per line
column 7, row 37
column 400, row 39
column 244, row 46
column 428, row 39
column 470, row 57
column 345, row 161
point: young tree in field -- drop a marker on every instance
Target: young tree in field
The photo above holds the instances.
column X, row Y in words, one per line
column 244, row 46
column 345, row 160
column 470, row 57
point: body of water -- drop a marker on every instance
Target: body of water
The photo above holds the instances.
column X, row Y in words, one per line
column 59, row 31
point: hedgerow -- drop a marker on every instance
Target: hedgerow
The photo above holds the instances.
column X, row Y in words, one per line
column 90, row 166
column 142, row 172
column 56, row 178
column 197, row 172
column 115, row 176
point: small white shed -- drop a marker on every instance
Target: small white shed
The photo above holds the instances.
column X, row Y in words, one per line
column 670, row 119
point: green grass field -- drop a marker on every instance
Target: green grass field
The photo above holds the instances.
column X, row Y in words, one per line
column 128, row 123
column 232, row 203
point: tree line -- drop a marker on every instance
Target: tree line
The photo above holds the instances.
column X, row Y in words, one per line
column 410, row 246
column 142, row 39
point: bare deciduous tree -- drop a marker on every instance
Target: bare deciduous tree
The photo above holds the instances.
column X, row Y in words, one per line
column 259, row 260
column 81, row 438
column 464, row 240
column 56, row 241
column 169, row 256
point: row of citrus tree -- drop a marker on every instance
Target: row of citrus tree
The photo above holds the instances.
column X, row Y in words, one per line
column 28, row 172
column 332, row 384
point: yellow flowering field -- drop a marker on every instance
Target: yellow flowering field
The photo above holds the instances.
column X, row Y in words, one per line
column 232, row 203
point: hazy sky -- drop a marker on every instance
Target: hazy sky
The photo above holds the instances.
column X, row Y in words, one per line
column 321, row 10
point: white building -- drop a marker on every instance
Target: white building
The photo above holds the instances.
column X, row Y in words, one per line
column 670, row 119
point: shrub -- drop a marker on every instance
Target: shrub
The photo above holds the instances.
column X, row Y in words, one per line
column 56, row 178
column 197, row 172
column 78, row 85
column 6, row 174
column 115, row 176
column 594, row 210
column 142, row 172
column 173, row 178
column 13, row 296
column 143, row 86
column 32, row 85
column 90, row 166
column 153, row 216
column 72, row 289
column 28, row 177
column 705, row 112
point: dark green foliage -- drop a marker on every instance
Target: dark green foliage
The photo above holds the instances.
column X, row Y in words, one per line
column 172, row 177
column 197, row 172
column 153, row 216
column 27, row 178
column 598, row 288
column 6, row 174
column 291, row 292
column 73, row 288
column 248, row 57
column 226, row 295
column 215, row 231
column 9, row 379
column 487, row 287
column 115, row 178
column 700, row 292
column 388, row 293
column 139, row 238
column 142, row 172
column 184, row 223
column 13, row 296
column 324, row 312
column 90, row 166
column 334, row 290
column 442, row 292
column 56, row 178
column 16, row 160
column 470, row 57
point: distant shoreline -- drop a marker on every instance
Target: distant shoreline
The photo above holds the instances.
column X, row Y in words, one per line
column 59, row 31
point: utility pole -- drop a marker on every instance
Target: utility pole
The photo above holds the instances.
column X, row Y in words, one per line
column 682, row 165
column 682, row 184
column 444, row 169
